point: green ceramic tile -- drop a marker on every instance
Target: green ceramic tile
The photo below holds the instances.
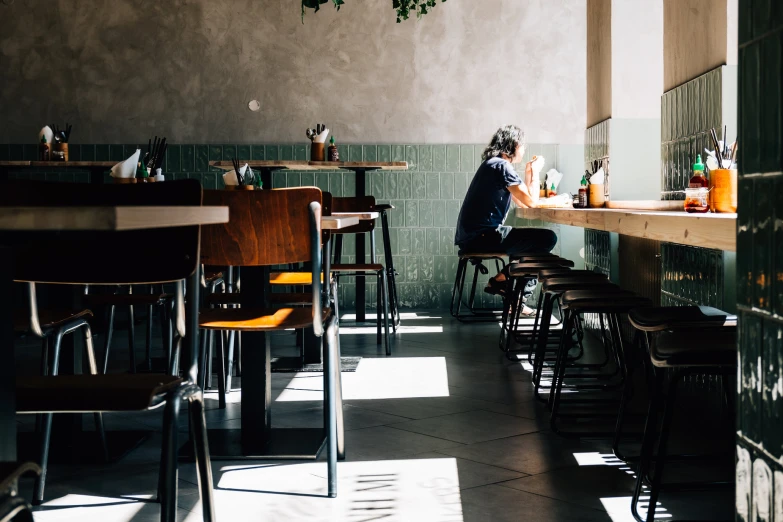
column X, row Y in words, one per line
column 5, row 153
column 412, row 269
column 447, row 186
column 188, row 158
column 432, row 242
column 286, row 152
column 412, row 213
column 349, row 184
column 202, row 158
column 749, row 109
column 336, row 184
column 82, row 177
column 101, row 153
column 243, row 152
column 439, row 158
column 384, row 153
column 418, row 184
column 16, row 152
column 344, row 152
column 391, row 190
column 412, row 157
column 770, row 100
column 271, row 153
column 397, row 218
column 452, row 212
column 375, row 186
column 301, row 152
column 173, row 158
column 425, row 157
column 452, row 158
column 370, row 153
column 355, row 153
column 777, row 242
column 397, row 153
column 322, row 181
column 762, row 244
column 478, row 150
column 308, row 179
column 461, row 184
column 210, row 180
column 229, row 152
column 447, row 241
column 404, row 237
column 30, row 152
column 745, row 202
column 466, row 158
column 403, row 184
column 432, row 181
column 130, row 150
column 257, row 152
column 116, row 153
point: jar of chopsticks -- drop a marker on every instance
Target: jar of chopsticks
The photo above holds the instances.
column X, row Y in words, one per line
column 317, row 138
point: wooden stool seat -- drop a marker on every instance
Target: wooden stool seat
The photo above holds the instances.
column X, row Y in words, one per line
column 255, row 319
column 714, row 347
column 292, row 278
column 607, row 300
column 670, row 317
column 563, row 284
column 50, row 319
column 532, row 269
column 91, row 393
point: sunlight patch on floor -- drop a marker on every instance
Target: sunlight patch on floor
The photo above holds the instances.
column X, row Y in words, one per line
column 422, row 489
column 401, row 330
column 90, row 507
column 594, row 458
column 398, row 378
column 404, row 316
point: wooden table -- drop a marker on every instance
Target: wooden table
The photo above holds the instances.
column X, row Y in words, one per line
column 717, row 231
column 359, row 167
column 96, row 168
column 39, row 219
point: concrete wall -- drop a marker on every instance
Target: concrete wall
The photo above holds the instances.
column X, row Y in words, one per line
column 123, row 70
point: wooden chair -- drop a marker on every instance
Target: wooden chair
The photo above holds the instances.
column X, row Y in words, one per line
column 364, row 204
column 276, row 227
column 155, row 256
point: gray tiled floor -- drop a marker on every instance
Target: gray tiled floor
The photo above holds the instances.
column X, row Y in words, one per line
column 450, row 432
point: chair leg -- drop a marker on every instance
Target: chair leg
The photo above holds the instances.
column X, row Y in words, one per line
column 331, row 371
column 384, row 287
column 663, row 440
column 198, row 431
column 210, row 352
column 202, row 363
column 648, row 441
column 131, row 339
column 107, row 344
column 46, row 429
column 378, row 294
column 238, row 357
column 88, row 346
column 221, row 369
column 148, row 341
column 167, row 484
column 230, row 356
column 454, row 289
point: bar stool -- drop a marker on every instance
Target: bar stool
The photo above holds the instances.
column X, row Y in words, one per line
column 477, row 260
column 552, row 287
column 610, row 301
column 688, row 340
column 520, row 273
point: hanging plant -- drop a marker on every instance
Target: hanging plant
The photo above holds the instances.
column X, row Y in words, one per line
column 404, row 8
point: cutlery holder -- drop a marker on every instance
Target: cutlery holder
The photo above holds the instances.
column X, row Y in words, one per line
column 723, row 193
column 595, row 196
column 59, row 151
column 124, row 181
column 240, row 187
column 317, row 152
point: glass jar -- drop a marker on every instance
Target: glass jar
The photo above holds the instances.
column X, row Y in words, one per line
column 696, row 200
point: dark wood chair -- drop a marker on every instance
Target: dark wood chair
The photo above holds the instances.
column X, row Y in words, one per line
column 154, row 256
column 364, row 204
column 266, row 228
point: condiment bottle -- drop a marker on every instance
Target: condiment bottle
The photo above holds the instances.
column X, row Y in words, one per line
column 333, row 154
column 583, row 193
column 552, row 191
column 698, row 180
column 44, row 151
column 697, row 191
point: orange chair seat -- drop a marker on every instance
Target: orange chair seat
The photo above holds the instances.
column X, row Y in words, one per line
column 255, row 319
column 292, row 278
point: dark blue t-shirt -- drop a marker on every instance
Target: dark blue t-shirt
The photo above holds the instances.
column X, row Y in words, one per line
column 487, row 201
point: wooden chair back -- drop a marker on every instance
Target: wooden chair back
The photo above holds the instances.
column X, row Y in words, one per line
column 103, row 257
column 266, row 227
column 360, row 204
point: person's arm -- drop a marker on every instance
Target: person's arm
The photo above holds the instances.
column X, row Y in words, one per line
column 521, row 196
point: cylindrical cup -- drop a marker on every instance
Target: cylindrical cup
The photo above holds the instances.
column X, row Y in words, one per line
column 595, row 196
column 723, row 193
column 317, row 152
column 59, row 151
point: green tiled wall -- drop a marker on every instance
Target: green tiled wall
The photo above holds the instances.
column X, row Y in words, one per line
column 760, row 262
column 427, row 199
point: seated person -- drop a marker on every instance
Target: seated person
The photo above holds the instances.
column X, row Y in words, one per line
column 480, row 225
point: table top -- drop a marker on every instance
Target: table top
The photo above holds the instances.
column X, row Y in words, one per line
column 337, row 223
column 313, row 165
column 117, row 218
column 716, row 231
column 364, row 216
column 75, row 164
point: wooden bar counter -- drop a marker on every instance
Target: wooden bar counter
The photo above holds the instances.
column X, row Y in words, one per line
column 717, row 231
